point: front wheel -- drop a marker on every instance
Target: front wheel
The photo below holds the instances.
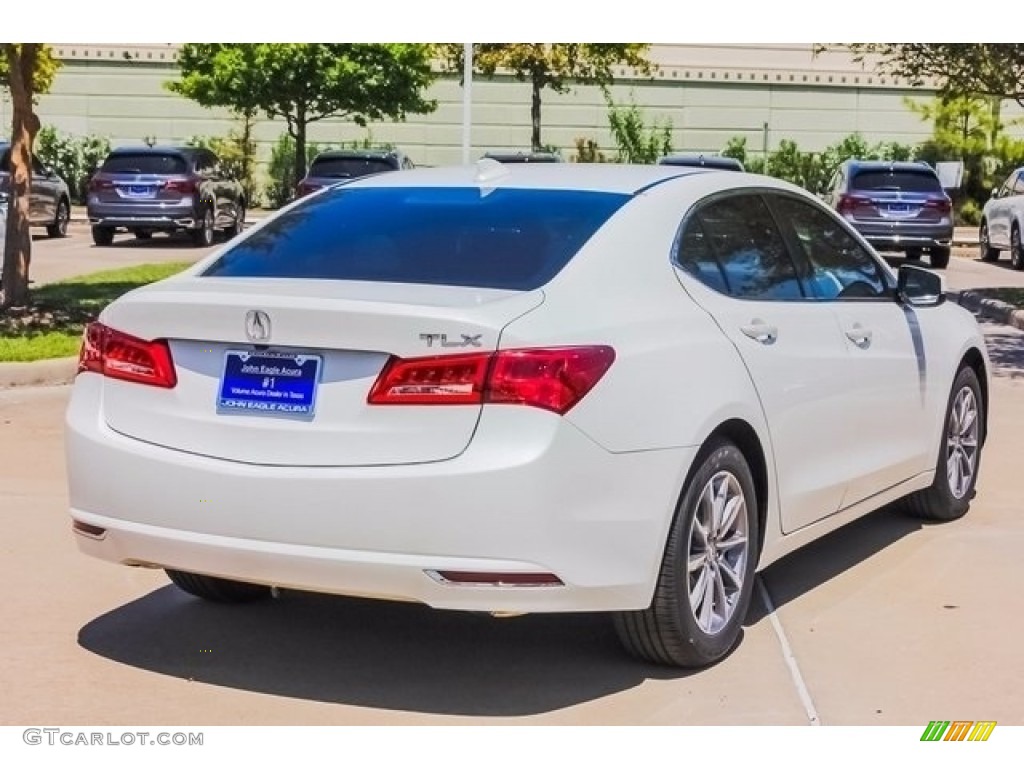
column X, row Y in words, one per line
column 956, row 471
column 238, row 223
column 216, row 589
column 59, row 228
column 707, row 574
column 988, row 253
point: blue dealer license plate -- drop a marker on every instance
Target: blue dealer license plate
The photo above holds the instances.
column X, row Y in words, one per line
column 262, row 383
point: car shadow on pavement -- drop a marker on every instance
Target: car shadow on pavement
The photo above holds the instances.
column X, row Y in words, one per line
column 370, row 653
column 159, row 240
column 1005, row 350
column 821, row 561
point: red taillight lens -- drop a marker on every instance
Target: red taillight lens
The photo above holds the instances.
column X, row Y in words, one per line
column 554, row 379
column 97, row 183
column 305, row 188
column 120, row 356
column 184, row 186
column 942, row 206
column 452, row 379
column 848, row 202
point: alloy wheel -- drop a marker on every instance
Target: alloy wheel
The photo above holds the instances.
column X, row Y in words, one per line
column 718, row 551
column 962, row 442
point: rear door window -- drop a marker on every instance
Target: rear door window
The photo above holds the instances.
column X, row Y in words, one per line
column 148, row 163
column 515, row 239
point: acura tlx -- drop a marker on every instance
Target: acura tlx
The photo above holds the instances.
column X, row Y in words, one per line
column 524, row 388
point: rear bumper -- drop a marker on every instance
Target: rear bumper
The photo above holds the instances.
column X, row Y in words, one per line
column 143, row 215
column 530, row 494
column 900, row 235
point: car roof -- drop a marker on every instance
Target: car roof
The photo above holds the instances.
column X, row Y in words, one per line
column 370, row 153
column 593, row 177
column 523, row 157
column 154, row 150
column 890, row 165
column 699, row 160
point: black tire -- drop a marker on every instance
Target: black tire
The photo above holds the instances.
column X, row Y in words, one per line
column 202, row 236
column 988, row 253
column 217, row 590
column 238, row 223
column 143, row 234
column 913, row 254
column 59, row 228
column 939, row 257
column 941, row 501
column 669, row 631
column 1016, row 250
column 103, row 235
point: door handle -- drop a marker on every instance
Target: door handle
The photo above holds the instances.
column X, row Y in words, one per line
column 859, row 335
column 760, row 331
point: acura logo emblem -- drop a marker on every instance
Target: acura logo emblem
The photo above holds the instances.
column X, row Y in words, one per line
column 257, row 325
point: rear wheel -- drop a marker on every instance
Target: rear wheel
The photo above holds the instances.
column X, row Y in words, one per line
column 238, row 223
column 59, row 228
column 203, row 236
column 1016, row 254
column 216, row 589
column 956, row 471
column 939, row 257
column 988, row 253
column 103, row 235
column 707, row 574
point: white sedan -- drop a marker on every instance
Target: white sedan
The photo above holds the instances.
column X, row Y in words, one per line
column 523, row 388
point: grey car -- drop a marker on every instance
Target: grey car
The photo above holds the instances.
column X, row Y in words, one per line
column 336, row 165
column 50, row 204
column 164, row 189
column 1002, row 221
column 896, row 206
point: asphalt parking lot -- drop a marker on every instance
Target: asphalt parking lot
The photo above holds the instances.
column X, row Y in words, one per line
column 888, row 621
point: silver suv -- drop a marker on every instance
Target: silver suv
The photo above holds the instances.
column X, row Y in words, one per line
column 1002, row 221
column 50, row 205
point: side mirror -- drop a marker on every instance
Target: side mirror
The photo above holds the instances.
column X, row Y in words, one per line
column 917, row 287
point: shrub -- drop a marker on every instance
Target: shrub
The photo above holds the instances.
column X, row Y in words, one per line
column 74, row 159
column 587, row 151
column 636, row 141
column 282, row 169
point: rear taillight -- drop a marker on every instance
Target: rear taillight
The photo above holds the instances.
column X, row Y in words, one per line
column 847, row 203
column 554, row 379
column 305, row 188
column 120, row 356
column 942, row 206
column 184, row 186
column 97, row 183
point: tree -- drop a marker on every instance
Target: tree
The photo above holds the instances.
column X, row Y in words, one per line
column 637, row 142
column 306, row 82
column 961, row 69
column 549, row 65
column 27, row 69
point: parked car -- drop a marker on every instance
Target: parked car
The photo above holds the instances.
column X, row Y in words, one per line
column 50, row 205
column 335, row 165
column 164, row 189
column 896, row 207
column 524, row 157
column 697, row 160
column 1002, row 221
column 472, row 400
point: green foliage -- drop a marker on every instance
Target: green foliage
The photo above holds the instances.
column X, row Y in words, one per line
column 636, row 141
column 281, row 189
column 548, row 65
column 44, row 71
column 588, row 151
column 74, row 159
column 969, row 214
column 736, row 148
column 306, row 82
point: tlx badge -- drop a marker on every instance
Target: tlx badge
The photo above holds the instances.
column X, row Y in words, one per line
column 441, row 340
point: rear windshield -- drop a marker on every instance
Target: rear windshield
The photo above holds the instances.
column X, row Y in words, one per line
column 145, row 163
column 905, row 181
column 515, row 239
column 349, row 167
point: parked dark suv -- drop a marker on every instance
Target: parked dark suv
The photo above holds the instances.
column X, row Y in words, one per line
column 896, row 207
column 50, row 204
column 334, row 165
column 164, row 189
column 697, row 160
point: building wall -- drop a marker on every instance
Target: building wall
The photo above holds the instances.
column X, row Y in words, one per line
column 710, row 93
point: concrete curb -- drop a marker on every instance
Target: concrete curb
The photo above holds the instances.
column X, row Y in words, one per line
column 992, row 309
column 41, row 373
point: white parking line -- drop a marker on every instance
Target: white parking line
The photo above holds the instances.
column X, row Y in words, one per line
column 787, row 655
